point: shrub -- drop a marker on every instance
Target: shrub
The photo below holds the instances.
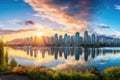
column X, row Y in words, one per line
column 13, row 63
column 41, row 73
column 19, row 70
column 5, row 69
column 112, row 73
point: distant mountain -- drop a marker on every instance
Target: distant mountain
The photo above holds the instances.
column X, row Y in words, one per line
column 16, row 41
column 106, row 37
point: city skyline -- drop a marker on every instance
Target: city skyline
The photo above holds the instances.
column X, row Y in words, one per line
column 25, row 18
column 88, row 40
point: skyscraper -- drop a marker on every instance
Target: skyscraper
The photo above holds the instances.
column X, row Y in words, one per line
column 93, row 38
column 60, row 40
column 56, row 39
column 77, row 38
column 68, row 40
column 81, row 40
column 65, row 39
column 86, row 36
column 52, row 40
column 72, row 40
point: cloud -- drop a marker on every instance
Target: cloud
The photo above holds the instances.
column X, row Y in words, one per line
column 29, row 22
column 76, row 66
column 26, row 22
column 48, row 31
column 14, row 21
column 1, row 24
column 103, row 29
column 117, row 7
column 4, row 32
column 74, row 14
column 103, row 26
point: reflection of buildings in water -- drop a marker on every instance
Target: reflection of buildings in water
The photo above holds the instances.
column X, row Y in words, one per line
column 49, row 51
column 93, row 53
column 60, row 52
column 68, row 51
column 31, row 52
column 43, row 53
column 77, row 52
column 27, row 50
column 118, row 51
column 86, row 54
column 65, row 53
column 52, row 51
column 56, row 53
column 114, row 51
column 35, row 53
column 72, row 51
column 106, row 51
column 97, row 51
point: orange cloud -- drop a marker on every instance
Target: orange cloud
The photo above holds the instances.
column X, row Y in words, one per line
column 4, row 32
column 55, row 13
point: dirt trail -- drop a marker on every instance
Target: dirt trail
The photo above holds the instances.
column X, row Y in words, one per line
column 14, row 77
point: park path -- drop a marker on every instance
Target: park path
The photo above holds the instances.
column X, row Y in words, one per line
column 14, row 77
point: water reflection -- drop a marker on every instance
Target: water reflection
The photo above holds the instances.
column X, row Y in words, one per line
column 77, row 52
column 56, row 56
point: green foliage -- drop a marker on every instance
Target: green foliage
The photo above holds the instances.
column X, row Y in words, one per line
column 112, row 73
column 13, row 63
column 5, row 69
column 42, row 73
column 1, row 53
column 95, row 71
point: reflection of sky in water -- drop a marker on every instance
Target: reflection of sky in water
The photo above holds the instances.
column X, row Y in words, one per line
column 67, row 58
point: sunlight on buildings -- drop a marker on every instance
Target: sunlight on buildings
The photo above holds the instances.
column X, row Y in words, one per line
column 39, row 34
column 39, row 55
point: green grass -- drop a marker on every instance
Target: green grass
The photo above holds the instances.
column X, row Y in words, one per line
column 42, row 73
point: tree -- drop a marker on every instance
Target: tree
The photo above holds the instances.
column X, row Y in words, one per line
column 13, row 63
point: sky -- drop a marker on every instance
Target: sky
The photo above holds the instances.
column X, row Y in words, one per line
column 25, row 18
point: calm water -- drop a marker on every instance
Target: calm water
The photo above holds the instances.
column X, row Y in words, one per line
column 66, row 58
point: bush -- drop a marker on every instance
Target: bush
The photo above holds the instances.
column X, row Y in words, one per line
column 89, row 76
column 42, row 73
column 19, row 70
column 112, row 73
column 13, row 63
column 5, row 69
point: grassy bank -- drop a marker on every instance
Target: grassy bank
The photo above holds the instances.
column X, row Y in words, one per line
column 42, row 73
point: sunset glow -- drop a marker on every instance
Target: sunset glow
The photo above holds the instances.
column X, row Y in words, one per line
column 39, row 34
column 43, row 19
column 60, row 39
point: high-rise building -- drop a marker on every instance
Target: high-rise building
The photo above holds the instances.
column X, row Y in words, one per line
column 77, row 38
column 81, row 40
column 31, row 41
column 51, row 40
column 86, row 37
column 89, row 39
column 56, row 39
column 116, row 41
column 60, row 40
column 93, row 38
column 69, row 40
column 72, row 40
column 65, row 39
